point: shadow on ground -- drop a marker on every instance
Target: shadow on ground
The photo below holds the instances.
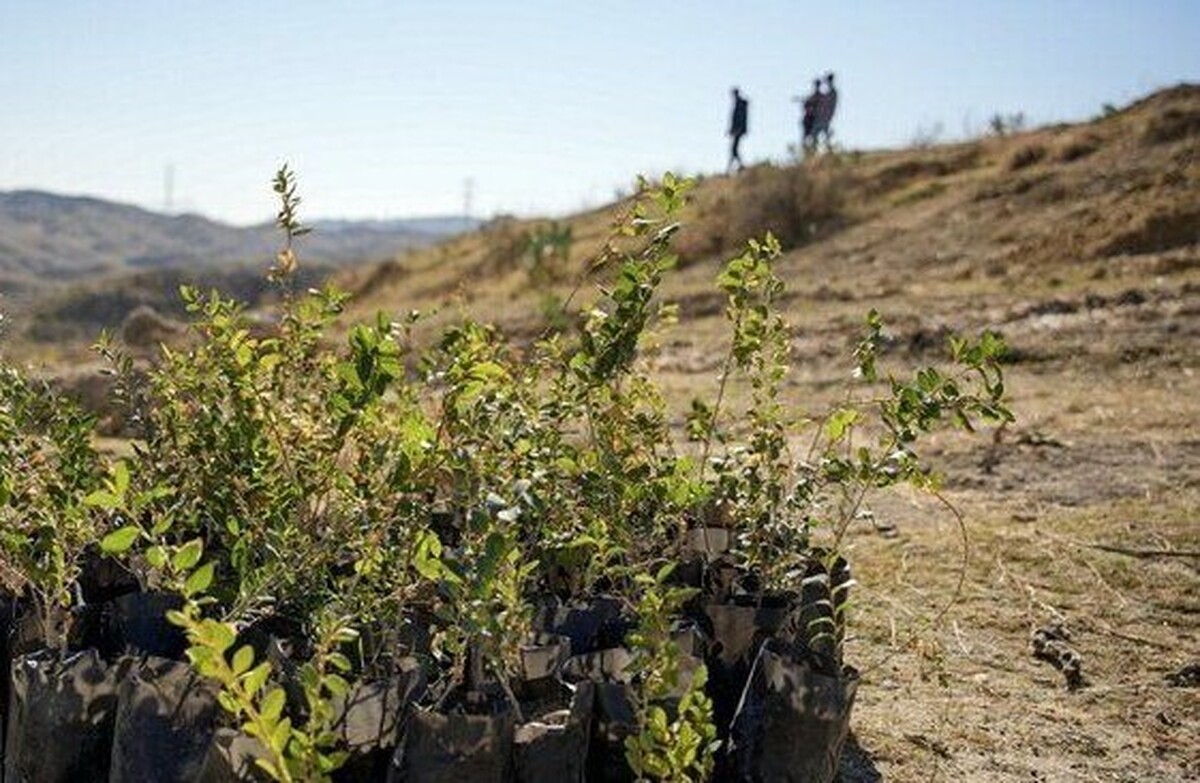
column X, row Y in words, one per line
column 857, row 766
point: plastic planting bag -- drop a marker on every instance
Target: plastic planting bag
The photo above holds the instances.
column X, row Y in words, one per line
column 60, row 718
column 454, row 748
column 792, row 719
column 230, row 759
column 369, row 721
column 165, row 719
column 615, row 720
column 552, row 747
column 737, row 631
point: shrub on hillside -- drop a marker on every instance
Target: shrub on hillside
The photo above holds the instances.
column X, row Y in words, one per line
column 1078, row 147
column 1172, row 125
column 794, row 203
column 1026, row 155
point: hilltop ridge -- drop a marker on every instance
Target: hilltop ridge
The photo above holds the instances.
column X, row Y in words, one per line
column 1025, row 210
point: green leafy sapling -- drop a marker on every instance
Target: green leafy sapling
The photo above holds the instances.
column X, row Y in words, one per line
column 676, row 737
column 48, row 470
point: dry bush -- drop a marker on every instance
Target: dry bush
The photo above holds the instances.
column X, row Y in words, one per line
column 1026, row 155
column 1156, row 232
column 795, row 203
column 918, row 192
column 1172, row 125
column 1078, row 147
column 507, row 243
column 145, row 328
column 904, row 173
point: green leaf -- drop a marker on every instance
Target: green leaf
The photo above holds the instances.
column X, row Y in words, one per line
column 188, row 555
column 282, row 733
column 427, row 555
column 839, row 423
column 175, row 617
column 162, row 525
column 336, row 684
column 272, row 704
column 217, row 635
column 256, row 678
column 269, row 768
column 102, row 499
column 118, row 541
column 120, row 479
column 156, row 556
column 339, row 661
column 269, row 361
column 243, row 659
column 230, row 704
column 199, row 580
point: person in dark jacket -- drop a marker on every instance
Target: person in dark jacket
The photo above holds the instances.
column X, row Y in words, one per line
column 826, row 108
column 738, row 127
column 808, row 118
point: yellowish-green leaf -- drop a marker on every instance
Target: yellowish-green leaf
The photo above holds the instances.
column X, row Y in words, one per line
column 156, row 556
column 243, row 659
column 283, row 733
column 120, row 483
column 339, row 661
column 839, row 423
column 272, row 704
column 188, row 555
column 102, row 499
column 199, row 580
column 256, row 678
column 118, row 541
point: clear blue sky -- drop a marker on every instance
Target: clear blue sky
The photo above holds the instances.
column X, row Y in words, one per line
column 386, row 108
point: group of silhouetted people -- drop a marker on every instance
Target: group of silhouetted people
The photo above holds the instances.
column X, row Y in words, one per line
column 817, row 110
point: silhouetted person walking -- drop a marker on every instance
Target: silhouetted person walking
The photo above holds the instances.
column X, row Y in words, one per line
column 826, row 107
column 808, row 118
column 738, row 127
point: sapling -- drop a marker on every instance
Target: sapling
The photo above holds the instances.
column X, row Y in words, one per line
column 48, row 471
column 675, row 739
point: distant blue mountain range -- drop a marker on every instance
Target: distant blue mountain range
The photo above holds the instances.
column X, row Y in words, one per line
column 47, row 238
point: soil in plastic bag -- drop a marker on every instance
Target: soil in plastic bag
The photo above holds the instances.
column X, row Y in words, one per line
column 736, row 632
column 136, row 624
column 230, row 758
column 369, row 721
column 60, row 718
column 552, row 746
column 792, row 720
column 166, row 716
column 454, row 748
